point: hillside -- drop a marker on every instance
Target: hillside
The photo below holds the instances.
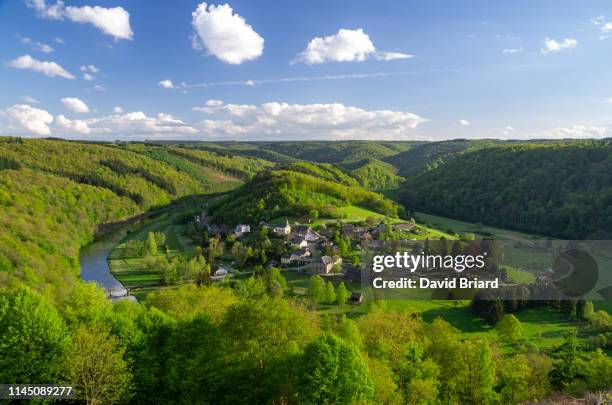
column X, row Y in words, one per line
column 431, row 155
column 336, row 151
column 277, row 193
column 560, row 189
column 373, row 174
column 54, row 193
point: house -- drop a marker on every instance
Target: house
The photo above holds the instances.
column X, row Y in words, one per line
column 282, row 229
column 372, row 244
column 298, row 242
column 302, row 230
column 353, row 231
column 403, row 227
column 312, row 236
column 297, row 256
column 325, row 264
column 242, row 228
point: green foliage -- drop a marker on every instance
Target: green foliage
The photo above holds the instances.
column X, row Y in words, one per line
column 332, row 372
column 96, row 367
column 509, row 328
column 33, row 337
column 279, row 193
column 374, row 174
column 342, row 293
column 561, row 189
column 316, row 289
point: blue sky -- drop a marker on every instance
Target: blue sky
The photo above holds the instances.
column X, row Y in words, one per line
column 306, row 70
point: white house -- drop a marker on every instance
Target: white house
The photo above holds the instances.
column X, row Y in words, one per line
column 242, row 228
column 325, row 264
column 282, row 230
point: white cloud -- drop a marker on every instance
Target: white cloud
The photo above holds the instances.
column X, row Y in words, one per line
column 344, row 46
column 60, row 40
column 50, row 69
column 34, row 120
column 99, row 88
column 118, row 110
column 250, row 83
column 136, row 124
column 89, row 68
column 214, row 103
column 30, row 99
column 75, row 105
column 74, row 126
column 512, row 50
column 166, row 84
column 224, row 34
column 551, row 45
column 463, row 123
column 580, row 131
column 386, row 56
column 508, row 130
column 87, row 77
column 36, row 45
column 306, row 121
column 111, row 21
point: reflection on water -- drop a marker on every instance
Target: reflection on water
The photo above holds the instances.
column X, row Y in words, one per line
column 94, row 265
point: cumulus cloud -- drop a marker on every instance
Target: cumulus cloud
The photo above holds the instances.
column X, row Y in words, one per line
column 508, row 130
column 59, row 40
column 118, row 110
column 463, row 123
column 89, row 68
column 552, row 46
column 225, row 34
column 166, row 84
column 214, row 103
column 74, row 126
column 87, row 77
column 344, row 46
column 306, row 121
column 99, row 88
column 30, row 100
column 33, row 120
column 132, row 124
column 113, row 21
column 75, row 105
column 512, row 50
column 50, row 69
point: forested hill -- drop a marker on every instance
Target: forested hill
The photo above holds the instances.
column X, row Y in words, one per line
column 559, row 189
column 54, row 193
column 296, row 191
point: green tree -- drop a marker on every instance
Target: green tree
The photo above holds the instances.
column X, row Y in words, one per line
column 342, row 294
column 479, row 373
column 330, row 293
column 316, row 289
column 333, row 372
column 151, row 244
column 33, row 338
column 515, row 380
column 509, row 328
column 567, row 367
column 95, row 365
column 275, row 282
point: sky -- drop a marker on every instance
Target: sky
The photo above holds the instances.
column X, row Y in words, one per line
column 287, row 70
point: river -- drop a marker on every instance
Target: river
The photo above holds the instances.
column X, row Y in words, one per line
column 93, row 260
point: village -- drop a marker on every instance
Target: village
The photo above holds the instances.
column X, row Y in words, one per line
column 330, row 250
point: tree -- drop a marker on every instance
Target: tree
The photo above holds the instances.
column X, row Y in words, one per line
column 515, row 381
column 567, row 367
column 479, row 373
column 316, row 289
column 332, row 372
column 95, row 365
column 151, row 244
column 33, row 338
column 509, row 328
column 342, row 294
column 275, row 282
column 330, row 293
